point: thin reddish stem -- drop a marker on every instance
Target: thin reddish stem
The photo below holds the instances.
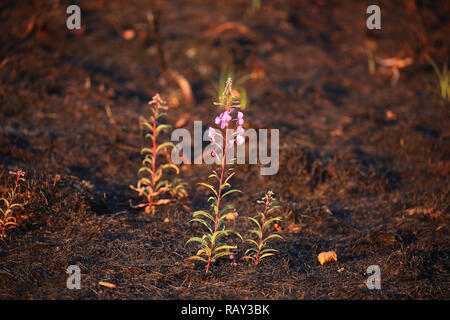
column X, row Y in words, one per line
column 223, row 165
column 150, row 196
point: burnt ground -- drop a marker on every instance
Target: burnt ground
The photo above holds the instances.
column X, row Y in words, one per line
column 364, row 166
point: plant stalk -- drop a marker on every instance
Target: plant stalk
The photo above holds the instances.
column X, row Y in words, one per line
column 223, row 164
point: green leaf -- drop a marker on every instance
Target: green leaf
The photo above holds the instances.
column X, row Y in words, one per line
column 252, row 241
column 201, row 252
column 197, row 239
column 227, row 207
column 163, row 146
column 251, row 250
column 272, row 236
column 202, row 222
column 6, row 202
column 230, row 192
column 233, row 232
column 221, row 254
column 225, row 185
column 220, row 224
column 147, row 124
column 270, row 221
column 268, row 250
column 144, row 150
column 203, row 213
column 217, row 235
column 212, row 198
column 266, row 255
column 145, row 169
column 213, row 175
column 172, row 166
column 257, row 232
column 249, row 258
column 272, row 209
column 209, row 186
column 161, row 184
column 197, row 258
column 255, row 221
column 148, row 160
column 162, row 127
column 224, row 247
column 146, row 181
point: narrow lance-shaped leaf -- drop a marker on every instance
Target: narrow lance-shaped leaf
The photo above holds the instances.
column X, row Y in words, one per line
column 203, row 213
column 270, row 221
column 221, row 254
column 230, row 192
column 164, row 146
column 171, row 166
column 197, row 258
column 196, row 239
column 209, row 187
column 206, row 224
column 162, row 127
column 273, row 236
column 266, row 255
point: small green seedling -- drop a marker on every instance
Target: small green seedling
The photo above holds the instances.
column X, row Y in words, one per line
column 262, row 223
column 443, row 78
column 371, row 62
column 151, row 186
column 239, row 91
column 7, row 220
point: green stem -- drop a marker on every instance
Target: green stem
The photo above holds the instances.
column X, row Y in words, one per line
column 262, row 230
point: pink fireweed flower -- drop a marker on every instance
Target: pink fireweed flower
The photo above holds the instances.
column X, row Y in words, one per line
column 19, row 174
column 211, row 134
column 238, row 137
column 224, row 119
column 240, row 118
column 15, row 173
column 240, row 131
column 240, row 140
column 232, row 263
